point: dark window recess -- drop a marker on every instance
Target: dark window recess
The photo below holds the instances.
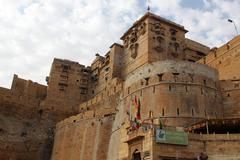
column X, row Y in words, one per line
column 65, row 68
column 1, row 130
column 163, row 112
column 62, row 84
column 205, row 112
column 23, row 134
column 85, row 70
column 169, row 87
column 186, row 88
column 204, row 82
column 83, row 90
column 200, row 54
column 228, row 95
column 160, row 77
column 154, row 89
column 178, row 112
column 92, row 91
column 128, row 90
column 107, row 69
column 114, row 89
column 146, row 81
column 173, row 32
column 150, row 114
column 40, row 112
column 190, row 60
column 192, row 112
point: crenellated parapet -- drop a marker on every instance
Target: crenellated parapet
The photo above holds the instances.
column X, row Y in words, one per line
column 225, row 59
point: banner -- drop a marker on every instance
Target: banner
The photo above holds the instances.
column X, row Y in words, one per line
column 171, row 137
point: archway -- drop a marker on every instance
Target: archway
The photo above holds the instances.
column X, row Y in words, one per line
column 136, row 155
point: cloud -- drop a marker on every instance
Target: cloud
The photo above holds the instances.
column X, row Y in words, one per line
column 33, row 32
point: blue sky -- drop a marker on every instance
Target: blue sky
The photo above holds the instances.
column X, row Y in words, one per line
column 33, row 32
column 195, row 4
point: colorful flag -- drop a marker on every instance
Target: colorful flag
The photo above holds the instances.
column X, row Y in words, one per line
column 134, row 112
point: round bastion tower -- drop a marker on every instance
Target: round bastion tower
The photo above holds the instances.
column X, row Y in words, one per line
column 159, row 76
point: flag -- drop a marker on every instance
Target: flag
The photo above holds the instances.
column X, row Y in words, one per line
column 139, row 110
column 135, row 113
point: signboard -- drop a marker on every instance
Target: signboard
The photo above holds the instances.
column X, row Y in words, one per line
column 171, row 137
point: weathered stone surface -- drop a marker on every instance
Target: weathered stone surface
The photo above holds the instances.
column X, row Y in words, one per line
column 173, row 78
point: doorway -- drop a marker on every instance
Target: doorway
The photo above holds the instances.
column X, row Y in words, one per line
column 136, row 156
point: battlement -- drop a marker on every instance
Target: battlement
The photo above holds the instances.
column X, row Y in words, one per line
column 28, row 88
column 157, row 75
column 225, row 59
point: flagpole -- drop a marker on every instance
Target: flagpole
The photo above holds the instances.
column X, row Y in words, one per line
column 148, row 6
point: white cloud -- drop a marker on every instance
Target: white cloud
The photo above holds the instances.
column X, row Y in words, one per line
column 33, row 32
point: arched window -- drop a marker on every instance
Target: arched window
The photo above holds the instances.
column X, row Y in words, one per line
column 136, row 155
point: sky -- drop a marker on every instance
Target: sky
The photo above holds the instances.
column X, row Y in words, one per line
column 33, row 32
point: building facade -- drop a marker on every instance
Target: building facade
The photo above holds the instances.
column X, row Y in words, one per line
column 158, row 96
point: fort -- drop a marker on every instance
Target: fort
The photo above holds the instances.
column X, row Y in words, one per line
column 157, row 96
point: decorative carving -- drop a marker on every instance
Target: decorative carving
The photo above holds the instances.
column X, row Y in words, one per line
column 126, row 41
column 159, row 44
column 133, row 50
column 173, row 32
column 158, row 29
column 173, row 49
column 133, row 36
column 142, row 28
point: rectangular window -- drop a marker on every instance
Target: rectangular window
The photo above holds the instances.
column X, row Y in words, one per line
column 128, row 90
column 146, row 81
column 186, row 88
column 204, row 82
column 160, row 76
column 178, row 112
